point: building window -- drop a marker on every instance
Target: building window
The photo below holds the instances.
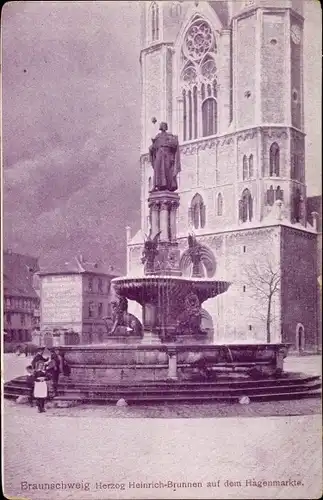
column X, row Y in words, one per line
column 176, row 9
column 250, row 327
column 8, row 318
column 100, row 309
column 270, row 196
column 297, row 171
column 279, row 194
column 244, row 168
column 244, row 288
column 251, row 172
column 22, row 319
column 297, row 205
column 220, row 205
column 274, row 160
column 100, row 285
column 91, row 310
column 154, row 11
column 197, row 212
column 244, row 248
column 209, row 117
column 199, row 81
column 90, row 285
column 245, row 206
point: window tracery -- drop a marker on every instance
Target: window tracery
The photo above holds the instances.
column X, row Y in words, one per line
column 245, row 206
column 199, row 81
column 197, row 212
column 274, row 161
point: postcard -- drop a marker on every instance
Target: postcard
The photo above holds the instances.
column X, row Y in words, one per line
column 162, row 239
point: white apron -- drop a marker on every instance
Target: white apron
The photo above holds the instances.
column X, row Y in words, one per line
column 40, row 389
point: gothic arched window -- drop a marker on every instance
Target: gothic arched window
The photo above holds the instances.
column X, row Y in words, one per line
column 209, row 117
column 270, row 196
column 297, row 202
column 245, row 206
column 251, row 172
column 198, row 81
column 154, row 13
column 220, row 205
column 244, row 168
column 279, row 195
column 197, row 212
column 274, row 160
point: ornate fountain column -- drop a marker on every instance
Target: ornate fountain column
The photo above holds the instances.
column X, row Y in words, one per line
column 163, row 207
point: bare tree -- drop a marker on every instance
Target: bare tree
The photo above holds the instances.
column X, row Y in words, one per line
column 263, row 279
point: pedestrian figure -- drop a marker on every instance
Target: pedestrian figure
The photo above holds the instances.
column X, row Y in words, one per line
column 30, row 383
column 40, row 387
column 53, row 368
column 38, row 358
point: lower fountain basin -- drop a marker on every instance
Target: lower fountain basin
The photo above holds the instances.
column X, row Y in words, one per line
column 151, row 362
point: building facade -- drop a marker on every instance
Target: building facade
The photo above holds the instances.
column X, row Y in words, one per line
column 227, row 77
column 76, row 303
column 21, row 301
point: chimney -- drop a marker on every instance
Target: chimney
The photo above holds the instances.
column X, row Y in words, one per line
column 315, row 220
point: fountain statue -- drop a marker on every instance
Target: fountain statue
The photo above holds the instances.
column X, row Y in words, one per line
column 164, row 157
column 124, row 323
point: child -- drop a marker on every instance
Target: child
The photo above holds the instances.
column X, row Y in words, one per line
column 40, row 387
column 30, row 383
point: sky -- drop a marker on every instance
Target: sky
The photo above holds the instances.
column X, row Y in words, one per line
column 71, row 126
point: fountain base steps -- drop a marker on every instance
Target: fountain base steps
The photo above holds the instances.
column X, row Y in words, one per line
column 287, row 386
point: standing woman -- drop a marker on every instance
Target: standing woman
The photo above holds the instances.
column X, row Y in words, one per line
column 40, row 387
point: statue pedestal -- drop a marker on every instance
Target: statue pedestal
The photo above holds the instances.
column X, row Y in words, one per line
column 163, row 212
column 163, row 207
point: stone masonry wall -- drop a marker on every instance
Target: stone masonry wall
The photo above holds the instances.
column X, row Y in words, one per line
column 299, row 285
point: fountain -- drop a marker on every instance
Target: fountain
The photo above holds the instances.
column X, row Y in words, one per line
column 171, row 337
column 171, row 357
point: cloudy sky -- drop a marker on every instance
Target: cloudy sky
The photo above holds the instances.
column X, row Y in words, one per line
column 71, row 111
column 71, row 125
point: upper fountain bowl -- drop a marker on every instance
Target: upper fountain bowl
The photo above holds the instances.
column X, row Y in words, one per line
column 149, row 288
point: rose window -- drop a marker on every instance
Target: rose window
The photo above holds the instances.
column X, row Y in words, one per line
column 198, row 41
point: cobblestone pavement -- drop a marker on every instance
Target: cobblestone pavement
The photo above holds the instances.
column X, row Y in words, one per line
column 41, row 448
column 108, row 455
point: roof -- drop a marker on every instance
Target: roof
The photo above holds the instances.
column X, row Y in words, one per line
column 18, row 274
column 78, row 265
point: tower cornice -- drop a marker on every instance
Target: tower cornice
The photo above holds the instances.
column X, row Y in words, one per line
column 155, row 47
column 247, row 13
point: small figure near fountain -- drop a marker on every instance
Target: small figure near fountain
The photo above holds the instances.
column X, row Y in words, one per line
column 165, row 160
column 150, row 252
column 124, row 323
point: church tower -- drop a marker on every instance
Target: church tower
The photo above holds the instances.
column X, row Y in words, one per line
column 227, row 77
